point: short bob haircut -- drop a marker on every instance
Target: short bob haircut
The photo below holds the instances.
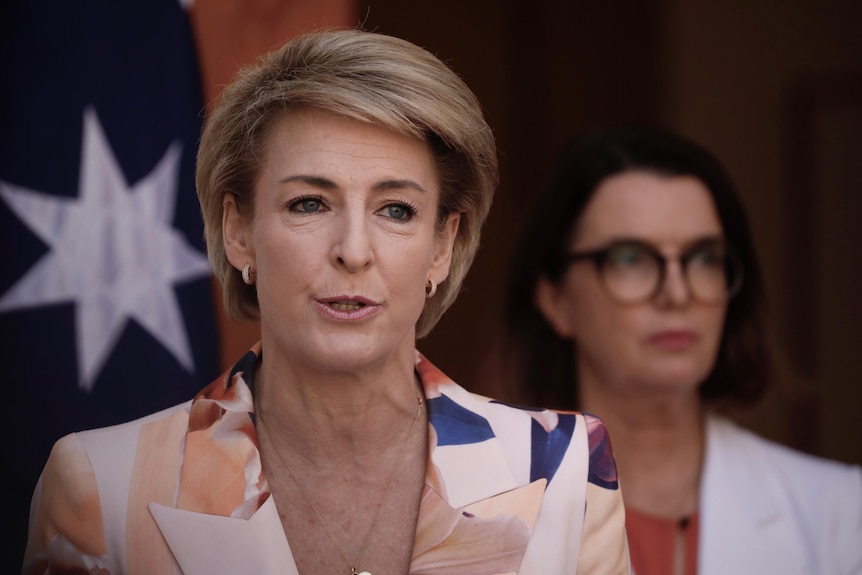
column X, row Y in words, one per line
column 543, row 364
column 364, row 76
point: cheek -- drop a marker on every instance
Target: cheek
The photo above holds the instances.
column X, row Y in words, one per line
column 403, row 270
column 404, row 257
column 285, row 264
column 597, row 321
column 607, row 328
column 608, row 335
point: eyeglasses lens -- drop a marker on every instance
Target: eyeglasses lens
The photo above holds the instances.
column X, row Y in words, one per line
column 632, row 272
column 707, row 271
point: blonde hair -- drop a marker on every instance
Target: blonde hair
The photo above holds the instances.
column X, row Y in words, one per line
column 364, row 76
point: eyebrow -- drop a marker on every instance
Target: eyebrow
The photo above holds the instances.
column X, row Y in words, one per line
column 641, row 240
column 314, row 181
column 695, row 242
column 327, row 184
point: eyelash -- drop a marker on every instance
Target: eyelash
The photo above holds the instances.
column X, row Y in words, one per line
column 295, row 202
column 408, row 207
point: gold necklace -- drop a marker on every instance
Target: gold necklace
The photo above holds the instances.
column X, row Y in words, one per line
column 353, row 569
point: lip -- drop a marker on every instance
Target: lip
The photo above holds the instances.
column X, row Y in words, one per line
column 673, row 339
column 364, row 307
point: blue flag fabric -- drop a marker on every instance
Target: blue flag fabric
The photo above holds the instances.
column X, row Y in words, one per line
column 105, row 304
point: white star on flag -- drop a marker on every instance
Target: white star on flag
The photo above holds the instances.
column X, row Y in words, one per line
column 113, row 251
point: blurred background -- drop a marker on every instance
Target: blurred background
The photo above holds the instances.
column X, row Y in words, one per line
column 772, row 87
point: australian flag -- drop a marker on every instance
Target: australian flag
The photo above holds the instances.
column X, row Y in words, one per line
column 105, row 304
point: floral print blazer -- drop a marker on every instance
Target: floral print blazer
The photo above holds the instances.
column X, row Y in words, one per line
column 507, row 490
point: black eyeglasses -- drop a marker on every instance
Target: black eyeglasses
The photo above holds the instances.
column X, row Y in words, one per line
column 634, row 272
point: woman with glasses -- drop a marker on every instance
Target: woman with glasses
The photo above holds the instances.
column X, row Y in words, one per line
column 635, row 295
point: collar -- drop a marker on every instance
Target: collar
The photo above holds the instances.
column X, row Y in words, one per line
column 483, row 481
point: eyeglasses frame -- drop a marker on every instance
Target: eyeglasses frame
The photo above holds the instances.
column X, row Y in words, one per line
column 599, row 256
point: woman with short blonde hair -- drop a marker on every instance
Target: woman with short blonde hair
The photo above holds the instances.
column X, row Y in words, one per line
column 343, row 181
column 403, row 87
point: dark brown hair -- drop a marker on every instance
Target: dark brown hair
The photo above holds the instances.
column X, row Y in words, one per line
column 544, row 363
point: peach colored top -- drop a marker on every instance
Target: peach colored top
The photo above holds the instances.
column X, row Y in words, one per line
column 653, row 544
column 507, row 490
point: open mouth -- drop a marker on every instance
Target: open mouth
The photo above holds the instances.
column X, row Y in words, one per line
column 346, row 305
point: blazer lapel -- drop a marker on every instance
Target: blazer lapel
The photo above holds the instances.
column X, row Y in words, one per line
column 224, row 519
column 476, row 492
column 204, row 544
column 466, row 462
column 744, row 525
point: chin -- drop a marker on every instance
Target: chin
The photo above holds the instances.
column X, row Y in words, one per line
column 353, row 353
column 681, row 375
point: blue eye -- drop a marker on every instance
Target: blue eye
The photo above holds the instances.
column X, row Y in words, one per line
column 308, row 205
column 399, row 212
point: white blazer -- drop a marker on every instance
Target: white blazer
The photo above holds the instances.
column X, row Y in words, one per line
column 766, row 509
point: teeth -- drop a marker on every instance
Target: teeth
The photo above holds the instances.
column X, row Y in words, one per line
column 346, row 305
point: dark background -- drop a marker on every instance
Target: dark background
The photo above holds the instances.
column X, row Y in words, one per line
column 772, row 87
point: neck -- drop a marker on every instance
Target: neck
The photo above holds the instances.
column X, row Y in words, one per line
column 658, row 444
column 334, row 416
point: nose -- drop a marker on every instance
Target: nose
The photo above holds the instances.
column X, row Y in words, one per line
column 674, row 290
column 351, row 248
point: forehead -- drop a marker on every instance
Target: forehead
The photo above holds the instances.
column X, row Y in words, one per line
column 649, row 206
column 314, row 139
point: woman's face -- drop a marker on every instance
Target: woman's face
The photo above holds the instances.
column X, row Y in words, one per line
column 343, row 240
column 669, row 342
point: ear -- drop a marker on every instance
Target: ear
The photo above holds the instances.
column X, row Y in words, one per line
column 236, row 234
column 552, row 301
column 445, row 244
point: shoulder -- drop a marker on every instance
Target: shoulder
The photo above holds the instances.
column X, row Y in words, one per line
column 126, row 434
column 66, row 512
column 547, row 438
column 79, row 459
column 761, row 476
column 113, row 444
column 747, row 448
column 603, row 467
column 788, row 499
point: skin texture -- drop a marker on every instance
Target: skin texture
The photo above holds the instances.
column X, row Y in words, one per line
column 343, row 239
